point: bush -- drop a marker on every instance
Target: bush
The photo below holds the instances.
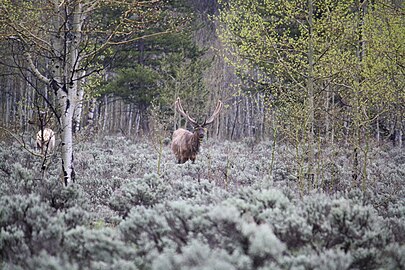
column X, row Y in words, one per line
column 223, row 212
column 28, row 226
column 146, row 191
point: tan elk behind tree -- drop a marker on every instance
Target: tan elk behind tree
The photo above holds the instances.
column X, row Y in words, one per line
column 186, row 144
column 45, row 137
column 45, row 140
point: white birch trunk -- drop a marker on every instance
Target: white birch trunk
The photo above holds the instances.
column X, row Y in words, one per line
column 66, row 103
column 65, row 82
column 105, row 113
column 137, row 122
column 79, row 107
column 327, row 110
column 90, row 115
column 8, row 103
column 263, row 117
column 248, row 125
column 378, row 129
column 332, row 136
column 129, row 120
column 239, row 112
column 310, row 86
column 21, row 106
column 398, row 131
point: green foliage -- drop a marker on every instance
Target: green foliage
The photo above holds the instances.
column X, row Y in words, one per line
column 320, row 64
column 158, row 68
column 384, row 32
column 136, row 85
column 183, row 77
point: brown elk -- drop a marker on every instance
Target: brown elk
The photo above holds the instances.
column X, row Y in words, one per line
column 186, row 144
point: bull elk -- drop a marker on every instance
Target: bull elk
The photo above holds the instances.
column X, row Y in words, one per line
column 186, row 144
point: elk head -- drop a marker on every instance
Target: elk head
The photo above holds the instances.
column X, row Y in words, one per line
column 186, row 144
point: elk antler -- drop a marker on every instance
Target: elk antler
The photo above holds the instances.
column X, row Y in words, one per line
column 182, row 112
column 215, row 114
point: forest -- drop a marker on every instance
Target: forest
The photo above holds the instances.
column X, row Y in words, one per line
column 294, row 155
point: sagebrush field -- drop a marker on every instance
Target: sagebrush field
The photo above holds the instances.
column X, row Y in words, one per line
column 235, row 208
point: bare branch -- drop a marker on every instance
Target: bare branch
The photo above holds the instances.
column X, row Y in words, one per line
column 139, row 38
column 35, row 70
column 22, row 143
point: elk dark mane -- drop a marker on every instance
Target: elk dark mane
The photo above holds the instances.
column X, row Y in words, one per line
column 186, row 144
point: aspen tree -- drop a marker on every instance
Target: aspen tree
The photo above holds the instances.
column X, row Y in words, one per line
column 70, row 36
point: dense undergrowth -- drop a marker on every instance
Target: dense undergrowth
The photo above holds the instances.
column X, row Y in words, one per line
column 223, row 212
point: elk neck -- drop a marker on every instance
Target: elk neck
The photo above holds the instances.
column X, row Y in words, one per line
column 195, row 142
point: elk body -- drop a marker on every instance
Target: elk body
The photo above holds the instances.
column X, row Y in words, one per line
column 45, row 140
column 45, row 137
column 186, row 144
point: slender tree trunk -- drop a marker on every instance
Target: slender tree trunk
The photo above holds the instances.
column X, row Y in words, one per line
column 263, row 121
column 138, row 122
column 310, row 86
column 91, row 113
column 8, row 103
column 377, row 131
column 248, row 123
column 357, row 117
column 273, row 149
column 332, row 135
column 79, row 108
column 20, row 105
column 105, row 113
column 130, row 119
column 236, row 118
column 398, row 130
column 327, row 115
column 66, row 104
column 13, row 103
column 240, row 130
column 2, row 113
column 65, row 80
